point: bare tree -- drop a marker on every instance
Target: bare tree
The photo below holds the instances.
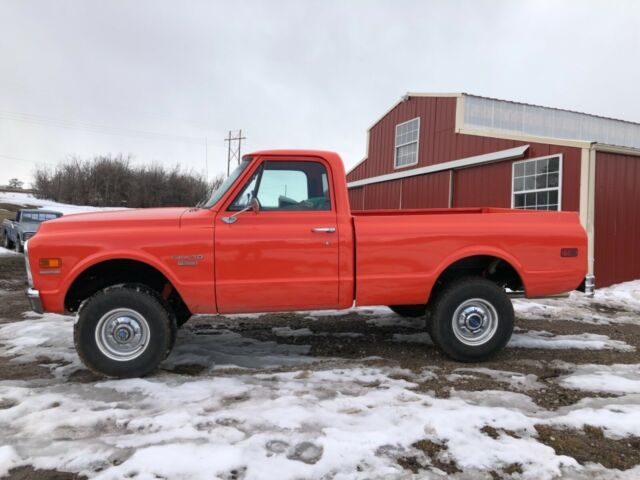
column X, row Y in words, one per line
column 16, row 183
column 115, row 181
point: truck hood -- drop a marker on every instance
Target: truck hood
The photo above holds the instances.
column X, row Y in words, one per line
column 151, row 217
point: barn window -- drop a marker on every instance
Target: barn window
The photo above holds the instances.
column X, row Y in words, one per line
column 407, row 136
column 537, row 184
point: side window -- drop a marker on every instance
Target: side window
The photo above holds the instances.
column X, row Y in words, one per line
column 536, row 184
column 289, row 186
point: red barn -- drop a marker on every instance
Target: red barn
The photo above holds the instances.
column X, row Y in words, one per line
column 460, row 150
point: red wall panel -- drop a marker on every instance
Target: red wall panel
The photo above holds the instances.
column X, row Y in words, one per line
column 426, row 191
column 384, row 195
column 483, row 186
column 356, row 198
column 617, row 218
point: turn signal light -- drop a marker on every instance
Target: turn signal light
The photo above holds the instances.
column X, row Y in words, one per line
column 568, row 252
column 50, row 263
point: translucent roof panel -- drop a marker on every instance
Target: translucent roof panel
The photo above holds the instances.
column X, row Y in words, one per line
column 490, row 114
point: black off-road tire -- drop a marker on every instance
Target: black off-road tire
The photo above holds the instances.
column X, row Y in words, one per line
column 442, row 319
column 161, row 326
column 409, row 311
column 182, row 314
column 19, row 246
column 6, row 243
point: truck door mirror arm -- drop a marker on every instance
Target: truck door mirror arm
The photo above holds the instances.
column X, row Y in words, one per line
column 254, row 205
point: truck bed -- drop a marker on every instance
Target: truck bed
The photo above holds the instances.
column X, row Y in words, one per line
column 400, row 254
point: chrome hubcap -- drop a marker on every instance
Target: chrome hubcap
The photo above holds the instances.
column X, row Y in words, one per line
column 475, row 321
column 122, row 334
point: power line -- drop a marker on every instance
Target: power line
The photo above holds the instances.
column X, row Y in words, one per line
column 10, row 157
column 94, row 128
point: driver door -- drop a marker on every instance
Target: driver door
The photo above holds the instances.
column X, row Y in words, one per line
column 285, row 257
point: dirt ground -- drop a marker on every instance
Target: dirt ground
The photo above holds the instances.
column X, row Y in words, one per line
column 363, row 340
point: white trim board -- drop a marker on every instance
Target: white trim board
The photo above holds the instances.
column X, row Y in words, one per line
column 500, row 155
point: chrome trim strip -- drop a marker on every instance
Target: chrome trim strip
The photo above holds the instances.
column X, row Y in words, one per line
column 27, row 264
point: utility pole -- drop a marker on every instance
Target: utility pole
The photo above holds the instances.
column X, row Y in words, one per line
column 234, row 148
column 206, row 158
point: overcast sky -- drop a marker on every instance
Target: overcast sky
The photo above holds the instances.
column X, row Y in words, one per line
column 154, row 78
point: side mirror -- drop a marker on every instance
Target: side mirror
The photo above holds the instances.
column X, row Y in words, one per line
column 254, row 205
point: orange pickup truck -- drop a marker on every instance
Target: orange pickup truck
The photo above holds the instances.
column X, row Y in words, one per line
column 278, row 235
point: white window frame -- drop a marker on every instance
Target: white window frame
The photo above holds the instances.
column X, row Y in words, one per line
column 535, row 190
column 395, row 147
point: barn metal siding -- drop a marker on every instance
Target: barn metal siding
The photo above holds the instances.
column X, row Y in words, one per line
column 426, row 191
column 483, row 186
column 382, row 195
column 617, row 218
column 357, row 173
column 356, row 198
column 439, row 143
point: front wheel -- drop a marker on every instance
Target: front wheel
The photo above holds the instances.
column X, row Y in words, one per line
column 6, row 243
column 123, row 332
column 19, row 245
column 472, row 319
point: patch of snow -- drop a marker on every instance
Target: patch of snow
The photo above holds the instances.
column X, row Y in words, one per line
column 23, row 199
column 38, row 337
column 289, row 332
column 8, row 253
column 8, row 459
column 584, row 341
column 618, row 378
column 517, row 380
column 615, row 304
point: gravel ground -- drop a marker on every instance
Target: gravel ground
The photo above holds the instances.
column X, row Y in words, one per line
column 367, row 339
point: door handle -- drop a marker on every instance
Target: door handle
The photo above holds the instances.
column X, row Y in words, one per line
column 323, row 230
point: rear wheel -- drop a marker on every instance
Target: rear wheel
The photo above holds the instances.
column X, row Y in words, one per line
column 410, row 311
column 123, row 332
column 18, row 245
column 472, row 319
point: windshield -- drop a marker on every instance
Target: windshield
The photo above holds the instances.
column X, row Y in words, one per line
column 222, row 189
column 37, row 217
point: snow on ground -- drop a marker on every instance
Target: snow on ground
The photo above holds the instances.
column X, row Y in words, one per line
column 265, row 409
column 587, row 341
column 605, row 378
column 18, row 198
column 7, row 253
column 615, row 304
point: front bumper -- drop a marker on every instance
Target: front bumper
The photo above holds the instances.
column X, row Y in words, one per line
column 34, row 300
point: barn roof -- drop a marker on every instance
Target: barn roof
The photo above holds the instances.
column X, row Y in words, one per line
column 494, row 115
column 486, row 116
